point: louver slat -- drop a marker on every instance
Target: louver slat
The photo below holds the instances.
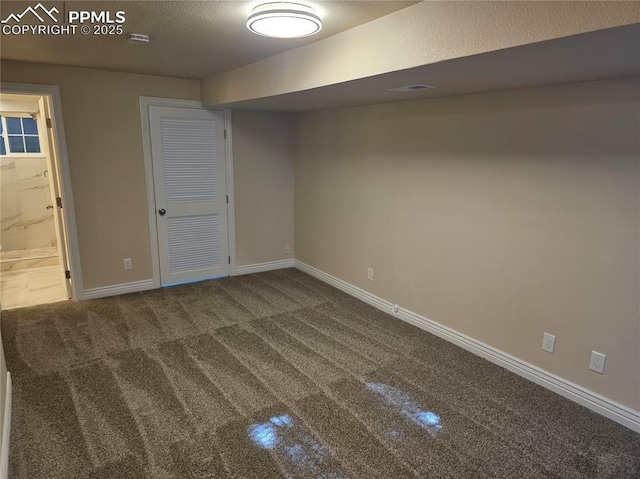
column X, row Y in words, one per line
column 189, row 154
column 194, row 242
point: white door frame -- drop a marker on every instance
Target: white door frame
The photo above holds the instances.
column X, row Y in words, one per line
column 62, row 159
column 145, row 103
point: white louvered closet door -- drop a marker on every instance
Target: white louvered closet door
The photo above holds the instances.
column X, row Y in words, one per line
column 188, row 152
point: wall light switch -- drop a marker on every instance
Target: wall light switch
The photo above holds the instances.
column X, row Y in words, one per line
column 370, row 274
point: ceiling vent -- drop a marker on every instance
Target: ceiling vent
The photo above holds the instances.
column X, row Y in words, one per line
column 138, row 38
column 420, row 86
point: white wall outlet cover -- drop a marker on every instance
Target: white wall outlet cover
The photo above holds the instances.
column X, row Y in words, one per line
column 396, row 308
column 128, row 264
column 548, row 342
column 597, row 362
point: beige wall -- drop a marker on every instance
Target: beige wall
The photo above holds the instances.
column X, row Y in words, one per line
column 263, row 184
column 101, row 113
column 500, row 215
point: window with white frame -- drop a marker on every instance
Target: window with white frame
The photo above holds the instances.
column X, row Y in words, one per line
column 19, row 135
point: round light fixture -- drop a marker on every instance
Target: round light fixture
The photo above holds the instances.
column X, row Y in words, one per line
column 284, row 20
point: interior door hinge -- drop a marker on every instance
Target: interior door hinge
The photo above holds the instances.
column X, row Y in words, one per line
column 59, row 202
column 229, row 258
column 227, row 199
column 67, row 274
column 225, row 133
column 48, row 122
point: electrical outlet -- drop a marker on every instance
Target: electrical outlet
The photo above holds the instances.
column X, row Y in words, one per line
column 128, row 264
column 548, row 342
column 370, row 274
column 597, row 362
column 287, row 249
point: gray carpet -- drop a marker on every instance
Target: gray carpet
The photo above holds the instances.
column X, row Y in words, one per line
column 278, row 375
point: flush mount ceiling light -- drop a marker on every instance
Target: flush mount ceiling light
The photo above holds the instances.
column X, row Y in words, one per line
column 284, row 20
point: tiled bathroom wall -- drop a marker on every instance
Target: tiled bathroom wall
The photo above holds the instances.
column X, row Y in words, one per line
column 27, row 224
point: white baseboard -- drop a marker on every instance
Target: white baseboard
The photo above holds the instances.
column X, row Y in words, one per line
column 6, row 431
column 260, row 267
column 117, row 289
column 147, row 284
column 597, row 403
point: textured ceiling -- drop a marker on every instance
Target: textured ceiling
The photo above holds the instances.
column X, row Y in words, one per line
column 189, row 39
column 599, row 55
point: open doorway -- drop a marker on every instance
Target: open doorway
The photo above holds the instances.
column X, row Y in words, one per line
column 34, row 255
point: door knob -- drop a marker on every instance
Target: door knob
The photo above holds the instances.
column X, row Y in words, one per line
column 162, row 212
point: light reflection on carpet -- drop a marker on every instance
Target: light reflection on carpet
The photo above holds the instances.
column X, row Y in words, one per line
column 406, row 407
column 300, row 454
